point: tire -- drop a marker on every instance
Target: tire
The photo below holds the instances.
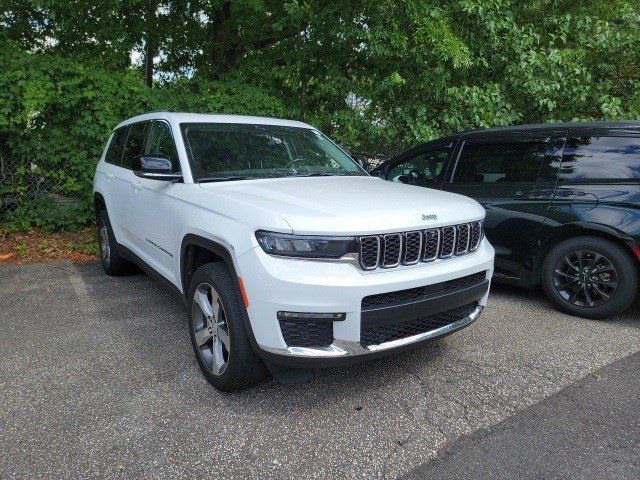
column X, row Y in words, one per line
column 222, row 347
column 610, row 279
column 112, row 262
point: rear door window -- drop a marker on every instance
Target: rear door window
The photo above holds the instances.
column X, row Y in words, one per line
column 114, row 152
column 500, row 161
column 135, row 143
column 593, row 158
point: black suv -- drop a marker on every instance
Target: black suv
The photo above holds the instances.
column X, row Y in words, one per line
column 562, row 202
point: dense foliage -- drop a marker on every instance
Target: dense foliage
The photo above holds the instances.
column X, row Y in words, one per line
column 378, row 75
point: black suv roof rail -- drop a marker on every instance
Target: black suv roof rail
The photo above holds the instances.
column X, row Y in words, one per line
column 610, row 124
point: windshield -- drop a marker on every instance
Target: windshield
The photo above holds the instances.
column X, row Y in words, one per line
column 222, row 151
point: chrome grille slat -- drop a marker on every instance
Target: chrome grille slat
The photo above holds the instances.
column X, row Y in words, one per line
column 369, row 252
column 409, row 248
column 431, row 244
column 463, row 233
column 412, row 248
column 448, row 242
column 475, row 236
column 392, row 250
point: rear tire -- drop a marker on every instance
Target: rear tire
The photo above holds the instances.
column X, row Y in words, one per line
column 218, row 335
column 590, row 277
column 112, row 262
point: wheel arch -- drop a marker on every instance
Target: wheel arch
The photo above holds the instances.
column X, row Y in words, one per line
column 197, row 250
column 582, row 229
column 99, row 203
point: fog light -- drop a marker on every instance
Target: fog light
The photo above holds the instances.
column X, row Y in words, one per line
column 329, row 317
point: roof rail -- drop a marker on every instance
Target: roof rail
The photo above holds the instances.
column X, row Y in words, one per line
column 157, row 111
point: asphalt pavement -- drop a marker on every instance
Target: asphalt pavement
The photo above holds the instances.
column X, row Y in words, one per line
column 98, row 379
column 589, row 430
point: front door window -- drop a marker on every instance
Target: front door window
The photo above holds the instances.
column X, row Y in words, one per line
column 424, row 169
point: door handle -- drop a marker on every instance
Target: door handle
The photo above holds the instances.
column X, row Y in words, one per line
column 136, row 186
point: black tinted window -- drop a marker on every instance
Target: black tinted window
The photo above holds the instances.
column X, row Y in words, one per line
column 507, row 162
column 114, row 152
column 423, row 169
column 135, row 143
column 601, row 158
column 161, row 143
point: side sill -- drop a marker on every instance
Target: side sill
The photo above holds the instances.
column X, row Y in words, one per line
column 149, row 270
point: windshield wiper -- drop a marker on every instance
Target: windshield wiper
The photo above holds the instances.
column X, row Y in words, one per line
column 318, row 174
column 223, row 179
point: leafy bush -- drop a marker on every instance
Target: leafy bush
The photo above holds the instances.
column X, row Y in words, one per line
column 378, row 76
column 56, row 115
column 49, row 216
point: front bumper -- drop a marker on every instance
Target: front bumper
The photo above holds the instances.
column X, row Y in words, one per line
column 277, row 284
column 344, row 352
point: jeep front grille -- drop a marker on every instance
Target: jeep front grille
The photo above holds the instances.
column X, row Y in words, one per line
column 391, row 250
column 409, row 248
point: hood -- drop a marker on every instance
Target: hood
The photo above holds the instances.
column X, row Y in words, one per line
column 349, row 205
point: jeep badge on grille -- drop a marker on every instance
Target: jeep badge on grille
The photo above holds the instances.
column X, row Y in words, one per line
column 429, row 217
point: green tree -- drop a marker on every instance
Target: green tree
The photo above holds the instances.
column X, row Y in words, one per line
column 378, row 75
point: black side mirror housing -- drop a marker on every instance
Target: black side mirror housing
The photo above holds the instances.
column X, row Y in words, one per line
column 155, row 168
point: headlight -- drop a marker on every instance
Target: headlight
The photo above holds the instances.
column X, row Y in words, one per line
column 305, row 246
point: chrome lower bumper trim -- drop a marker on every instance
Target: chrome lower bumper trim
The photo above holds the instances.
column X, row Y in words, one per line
column 344, row 348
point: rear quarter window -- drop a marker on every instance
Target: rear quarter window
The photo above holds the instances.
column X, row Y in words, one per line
column 601, row 158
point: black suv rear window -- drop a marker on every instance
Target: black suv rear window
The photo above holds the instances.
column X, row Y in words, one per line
column 601, row 158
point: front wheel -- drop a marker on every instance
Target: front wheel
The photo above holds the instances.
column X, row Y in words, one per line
column 218, row 334
column 590, row 277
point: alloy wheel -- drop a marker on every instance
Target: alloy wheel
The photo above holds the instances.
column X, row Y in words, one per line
column 105, row 249
column 585, row 278
column 210, row 329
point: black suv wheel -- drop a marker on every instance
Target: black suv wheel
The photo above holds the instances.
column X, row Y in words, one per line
column 218, row 335
column 590, row 277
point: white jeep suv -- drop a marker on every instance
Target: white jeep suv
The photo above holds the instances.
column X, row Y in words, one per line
column 286, row 252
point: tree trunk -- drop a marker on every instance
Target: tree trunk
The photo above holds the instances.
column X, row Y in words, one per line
column 149, row 42
column 147, row 71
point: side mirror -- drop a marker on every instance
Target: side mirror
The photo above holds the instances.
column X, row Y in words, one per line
column 155, row 168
